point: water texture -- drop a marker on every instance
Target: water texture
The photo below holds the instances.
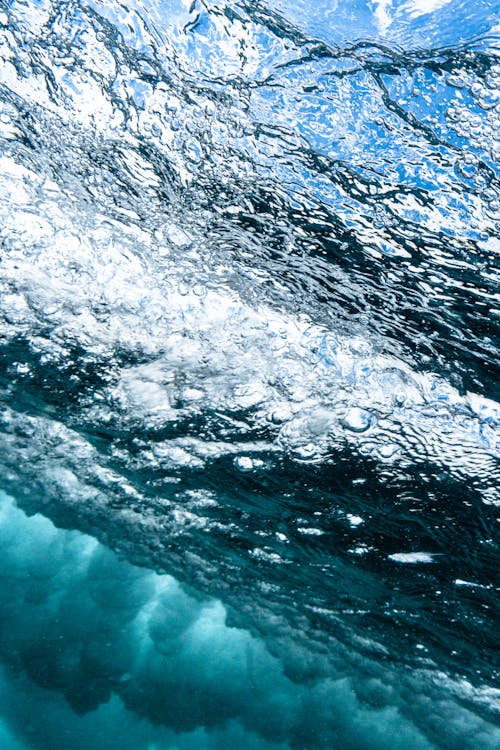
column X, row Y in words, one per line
column 249, row 357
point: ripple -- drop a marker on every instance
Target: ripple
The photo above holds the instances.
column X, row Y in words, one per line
column 248, row 287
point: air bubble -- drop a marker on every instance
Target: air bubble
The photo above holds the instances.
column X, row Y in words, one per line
column 245, row 463
column 388, row 450
column 357, row 420
column 280, row 414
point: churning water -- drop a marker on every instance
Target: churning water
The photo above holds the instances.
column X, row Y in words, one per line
column 249, row 317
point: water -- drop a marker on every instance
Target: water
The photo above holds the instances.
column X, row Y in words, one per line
column 249, row 321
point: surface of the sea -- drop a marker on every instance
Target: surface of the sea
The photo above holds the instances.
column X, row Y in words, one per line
column 249, row 359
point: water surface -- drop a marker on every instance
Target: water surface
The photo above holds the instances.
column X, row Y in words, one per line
column 249, row 356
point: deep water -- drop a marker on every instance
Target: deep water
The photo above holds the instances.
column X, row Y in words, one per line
column 249, row 358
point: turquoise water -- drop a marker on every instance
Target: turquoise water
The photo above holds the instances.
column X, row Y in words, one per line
column 249, row 351
column 97, row 652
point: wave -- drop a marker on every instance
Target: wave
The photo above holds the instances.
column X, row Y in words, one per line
column 249, row 311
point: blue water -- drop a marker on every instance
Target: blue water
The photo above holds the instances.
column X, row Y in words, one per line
column 249, row 357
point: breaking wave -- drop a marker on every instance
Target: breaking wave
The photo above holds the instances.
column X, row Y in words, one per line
column 249, row 354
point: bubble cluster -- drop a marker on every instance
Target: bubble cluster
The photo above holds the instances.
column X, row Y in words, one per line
column 249, row 338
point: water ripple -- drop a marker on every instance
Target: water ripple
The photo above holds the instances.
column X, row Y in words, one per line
column 249, row 306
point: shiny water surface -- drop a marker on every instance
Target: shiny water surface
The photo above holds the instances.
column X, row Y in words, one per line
column 249, row 357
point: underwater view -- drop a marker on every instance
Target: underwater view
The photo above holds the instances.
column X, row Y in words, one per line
column 249, row 360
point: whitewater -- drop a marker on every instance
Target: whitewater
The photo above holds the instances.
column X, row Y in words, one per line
column 249, row 356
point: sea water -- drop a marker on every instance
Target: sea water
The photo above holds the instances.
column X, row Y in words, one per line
column 249, row 356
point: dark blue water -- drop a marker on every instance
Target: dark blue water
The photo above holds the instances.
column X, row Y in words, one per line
column 249, row 357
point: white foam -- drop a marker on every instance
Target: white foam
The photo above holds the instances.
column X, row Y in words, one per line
column 412, row 557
